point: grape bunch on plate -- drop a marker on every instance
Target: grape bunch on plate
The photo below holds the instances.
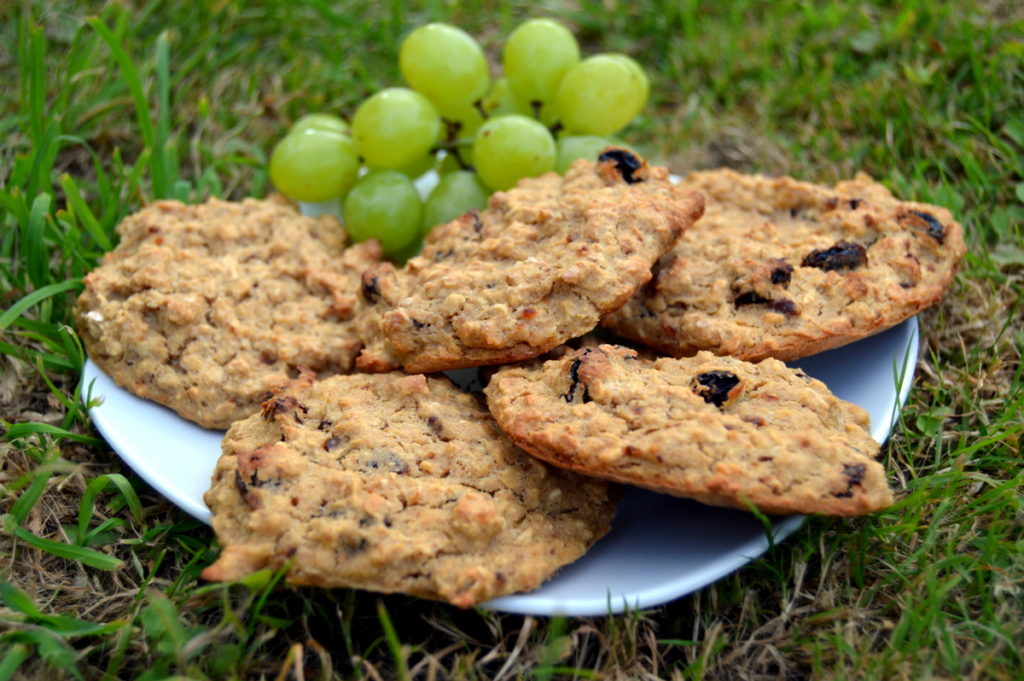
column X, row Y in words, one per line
column 549, row 109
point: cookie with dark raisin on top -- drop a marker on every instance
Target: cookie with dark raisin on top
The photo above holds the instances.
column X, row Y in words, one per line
column 395, row 483
column 785, row 269
column 716, row 429
column 541, row 265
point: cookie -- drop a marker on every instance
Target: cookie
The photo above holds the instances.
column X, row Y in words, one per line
column 785, row 269
column 206, row 308
column 539, row 266
column 716, row 429
column 381, row 289
column 395, row 483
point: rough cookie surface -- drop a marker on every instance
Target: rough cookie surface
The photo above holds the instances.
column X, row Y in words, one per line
column 716, row 429
column 206, row 308
column 541, row 265
column 785, row 269
column 395, row 483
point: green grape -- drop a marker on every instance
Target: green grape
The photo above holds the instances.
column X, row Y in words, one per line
column 384, row 205
column 395, row 127
column 321, row 121
column 633, row 64
column 419, row 166
column 536, row 57
column 462, row 124
column 446, row 64
column 600, row 95
column 402, row 255
column 314, row 165
column 501, row 101
column 508, row 148
column 456, row 193
column 573, row 148
column 449, row 164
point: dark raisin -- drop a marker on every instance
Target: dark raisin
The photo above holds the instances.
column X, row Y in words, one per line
column 371, row 289
column 784, row 306
column 384, row 459
column 243, row 489
column 625, row 162
column 325, row 424
column 714, row 386
column 854, row 203
column 438, row 428
column 831, row 203
column 750, row 298
column 782, row 272
column 478, row 224
column 441, row 255
column 417, row 324
column 351, row 547
column 935, row 228
column 574, row 376
column 331, row 443
column 854, row 474
column 843, row 256
column 279, row 405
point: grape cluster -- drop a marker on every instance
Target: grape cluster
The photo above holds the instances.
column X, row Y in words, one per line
column 550, row 108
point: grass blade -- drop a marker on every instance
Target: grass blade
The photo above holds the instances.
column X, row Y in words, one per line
column 17, row 600
column 78, row 554
column 394, row 643
column 161, row 187
column 23, row 506
column 97, row 485
column 36, row 296
column 12, row 659
column 33, row 243
column 20, row 430
column 83, row 213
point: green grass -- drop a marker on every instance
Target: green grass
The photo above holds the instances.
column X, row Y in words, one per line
column 99, row 574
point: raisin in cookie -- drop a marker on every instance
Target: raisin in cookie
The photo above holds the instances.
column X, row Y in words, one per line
column 785, row 269
column 395, row 483
column 541, row 265
column 716, row 429
column 206, row 308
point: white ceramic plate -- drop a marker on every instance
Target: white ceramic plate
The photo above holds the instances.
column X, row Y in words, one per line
column 660, row 547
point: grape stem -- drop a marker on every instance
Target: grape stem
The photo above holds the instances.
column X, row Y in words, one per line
column 451, row 142
column 536, row 105
column 451, row 130
column 479, row 106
